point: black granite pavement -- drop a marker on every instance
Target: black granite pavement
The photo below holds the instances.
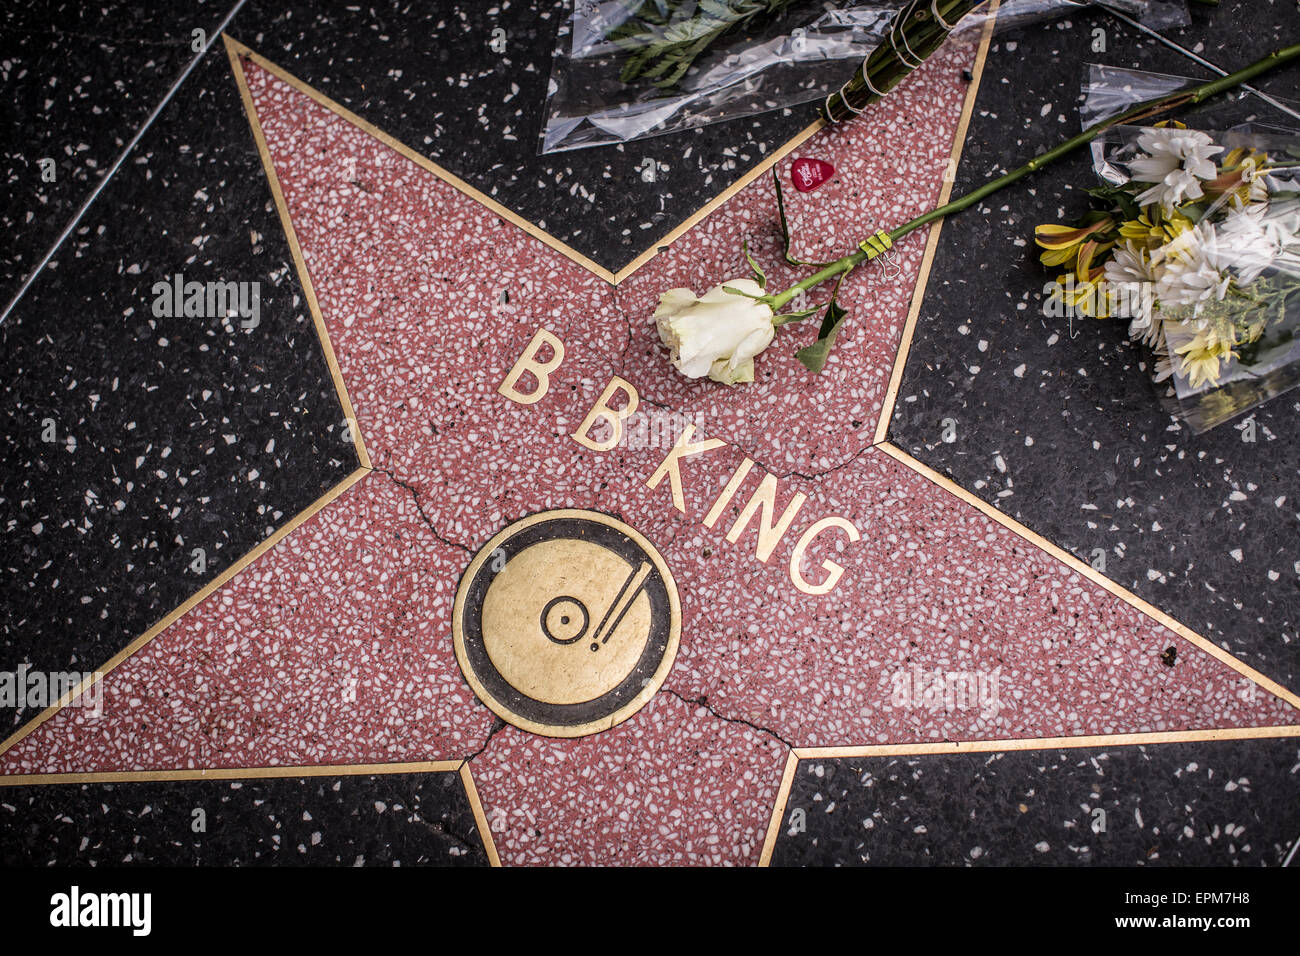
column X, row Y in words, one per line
column 1058, row 425
column 401, row 819
column 1226, row 803
column 78, row 80
column 144, row 453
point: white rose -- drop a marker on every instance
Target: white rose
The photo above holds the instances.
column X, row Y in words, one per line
column 717, row 334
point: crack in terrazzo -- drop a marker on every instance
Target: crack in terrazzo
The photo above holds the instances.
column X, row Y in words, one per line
column 703, row 703
column 415, row 497
column 498, row 725
column 813, row 476
column 726, row 434
column 622, row 356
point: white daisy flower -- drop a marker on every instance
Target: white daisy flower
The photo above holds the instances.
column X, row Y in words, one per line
column 1164, row 365
column 1253, row 238
column 1131, row 279
column 1190, row 269
column 1176, row 162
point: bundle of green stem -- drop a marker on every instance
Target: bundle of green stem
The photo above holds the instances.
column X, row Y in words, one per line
column 916, row 31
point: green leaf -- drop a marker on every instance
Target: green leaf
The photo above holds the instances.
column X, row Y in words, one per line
column 787, row 317
column 759, row 275
column 780, row 211
column 813, row 357
column 716, row 8
column 685, row 59
column 785, row 226
column 1128, row 207
column 667, row 36
column 662, row 66
column 634, row 65
column 1121, row 196
column 630, row 44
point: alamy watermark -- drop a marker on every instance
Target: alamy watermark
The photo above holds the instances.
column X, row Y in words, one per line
column 176, row 298
column 1068, row 298
column 75, row 908
column 41, row 689
column 947, row 690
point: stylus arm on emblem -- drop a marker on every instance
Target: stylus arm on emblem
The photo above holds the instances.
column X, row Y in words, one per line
column 626, row 595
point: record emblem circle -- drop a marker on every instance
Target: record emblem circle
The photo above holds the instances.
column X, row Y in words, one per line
column 566, row 623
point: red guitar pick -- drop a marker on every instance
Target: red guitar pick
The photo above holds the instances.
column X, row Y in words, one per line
column 808, row 174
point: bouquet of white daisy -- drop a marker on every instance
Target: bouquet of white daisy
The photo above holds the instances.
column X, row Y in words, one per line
column 1196, row 242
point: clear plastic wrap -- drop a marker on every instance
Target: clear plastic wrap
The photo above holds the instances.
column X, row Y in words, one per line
column 1261, row 258
column 1110, row 90
column 1210, row 284
column 1012, row 14
column 789, row 52
column 793, row 57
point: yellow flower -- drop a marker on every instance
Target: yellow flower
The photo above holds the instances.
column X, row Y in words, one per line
column 1086, row 293
column 1153, row 229
column 1062, row 243
column 1239, row 177
column 1087, row 252
column 1253, row 331
column 1201, row 356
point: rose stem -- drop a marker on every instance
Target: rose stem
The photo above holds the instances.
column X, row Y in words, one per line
column 1141, row 111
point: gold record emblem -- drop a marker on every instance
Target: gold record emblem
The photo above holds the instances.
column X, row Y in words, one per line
column 566, row 623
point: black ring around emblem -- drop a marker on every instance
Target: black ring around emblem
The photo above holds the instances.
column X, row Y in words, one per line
column 568, row 715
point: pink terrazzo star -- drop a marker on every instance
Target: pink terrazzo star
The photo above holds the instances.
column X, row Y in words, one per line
column 335, row 647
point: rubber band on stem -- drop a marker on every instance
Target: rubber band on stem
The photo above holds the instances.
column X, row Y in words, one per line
column 899, row 53
column 862, row 70
column 910, row 52
column 934, row 10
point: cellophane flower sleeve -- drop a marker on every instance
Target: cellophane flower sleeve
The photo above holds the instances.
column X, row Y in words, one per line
column 615, row 78
column 1215, row 260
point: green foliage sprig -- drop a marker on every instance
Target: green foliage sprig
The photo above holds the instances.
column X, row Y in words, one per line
column 663, row 38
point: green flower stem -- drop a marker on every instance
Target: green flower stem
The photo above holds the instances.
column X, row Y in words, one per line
column 1141, row 111
column 817, row 278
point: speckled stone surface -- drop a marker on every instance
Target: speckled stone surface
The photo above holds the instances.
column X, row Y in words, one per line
column 333, row 649
column 398, row 819
column 428, row 76
column 1059, row 427
column 336, row 644
column 131, row 440
column 1225, row 803
column 79, row 80
column 673, row 786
